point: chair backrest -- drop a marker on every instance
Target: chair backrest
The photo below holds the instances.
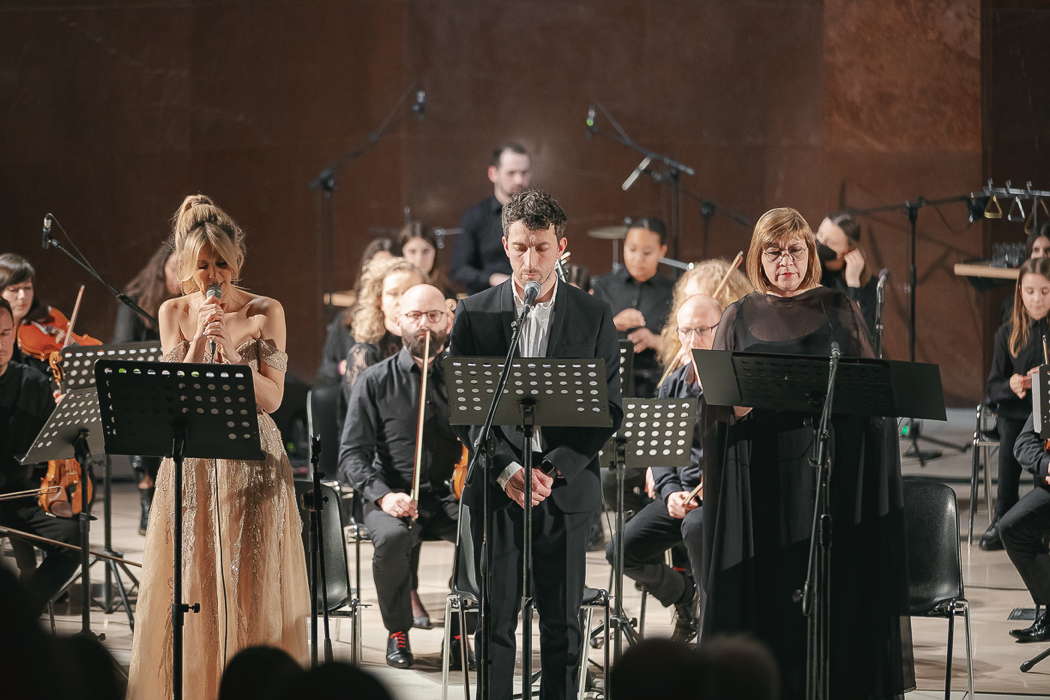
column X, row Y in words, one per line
column 932, row 526
column 336, row 574
column 465, row 580
column 323, row 420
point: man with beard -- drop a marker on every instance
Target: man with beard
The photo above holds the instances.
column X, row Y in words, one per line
column 377, row 455
column 478, row 261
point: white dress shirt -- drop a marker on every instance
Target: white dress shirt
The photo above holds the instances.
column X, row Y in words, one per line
column 532, row 342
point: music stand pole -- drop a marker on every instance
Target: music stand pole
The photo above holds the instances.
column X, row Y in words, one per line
column 318, row 569
column 528, row 418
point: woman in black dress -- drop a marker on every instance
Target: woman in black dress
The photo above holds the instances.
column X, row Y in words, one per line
column 760, row 489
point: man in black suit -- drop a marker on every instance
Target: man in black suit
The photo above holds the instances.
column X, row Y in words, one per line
column 566, row 491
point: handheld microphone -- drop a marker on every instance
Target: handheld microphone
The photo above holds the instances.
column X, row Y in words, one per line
column 532, row 290
column 45, row 236
column 420, row 105
column 835, row 351
column 214, row 292
column 592, row 119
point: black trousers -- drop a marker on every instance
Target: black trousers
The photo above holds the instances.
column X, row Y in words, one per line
column 559, row 548
column 395, row 561
column 1024, row 529
column 1009, row 469
column 59, row 563
column 647, row 536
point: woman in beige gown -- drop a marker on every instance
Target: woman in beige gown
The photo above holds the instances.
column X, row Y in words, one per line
column 243, row 557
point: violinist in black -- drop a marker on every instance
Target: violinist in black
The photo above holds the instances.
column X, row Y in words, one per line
column 25, row 404
column 377, row 456
column 1017, row 352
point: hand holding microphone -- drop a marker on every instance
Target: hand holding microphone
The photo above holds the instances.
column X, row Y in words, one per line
column 210, row 317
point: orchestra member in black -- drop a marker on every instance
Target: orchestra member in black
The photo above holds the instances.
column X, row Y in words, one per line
column 1017, row 352
column 640, row 298
column 18, row 287
column 759, row 486
column 377, row 457
column 1025, row 527
column 154, row 284
column 478, row 261
column 843, row 265
column 25, row 404
column 565, row 323
column 673, row 516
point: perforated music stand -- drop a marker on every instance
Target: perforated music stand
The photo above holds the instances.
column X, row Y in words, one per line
column 178, row 410
column 801, row 384
column 73, row 431
column 78, row 372
column 654, row 433
column 626, row 349
column 540, row 392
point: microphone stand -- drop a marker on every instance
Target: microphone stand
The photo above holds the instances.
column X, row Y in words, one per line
column 325, row 183
column 81, row 260
column 671, row 174
column 880, row 300
column 483, row 451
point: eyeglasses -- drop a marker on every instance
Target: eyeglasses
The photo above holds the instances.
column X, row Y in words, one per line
column 701, row 331
column 434, row 316
column 798, row 252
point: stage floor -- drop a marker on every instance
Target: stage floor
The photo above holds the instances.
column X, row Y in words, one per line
column 993, row 588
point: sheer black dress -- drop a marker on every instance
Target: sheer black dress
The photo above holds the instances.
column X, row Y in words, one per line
column 758, row 508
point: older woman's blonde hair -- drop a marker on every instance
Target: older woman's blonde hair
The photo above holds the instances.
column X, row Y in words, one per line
column 778, row 226
column 703, row 278
column 199, row 222
column 368, row 324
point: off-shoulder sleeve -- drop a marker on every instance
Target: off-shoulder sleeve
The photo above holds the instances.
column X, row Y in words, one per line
column 270, row 355
column 177, row 353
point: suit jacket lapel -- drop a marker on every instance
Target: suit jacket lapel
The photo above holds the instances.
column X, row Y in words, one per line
column 561, row 311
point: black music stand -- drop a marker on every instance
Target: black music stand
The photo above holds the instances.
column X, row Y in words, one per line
column 78, row 372
column 655, row 433
column 626, row 349
column 539, row 392
column 314, row 501
column 73, row 431
column 178, row 410
column 835, row 385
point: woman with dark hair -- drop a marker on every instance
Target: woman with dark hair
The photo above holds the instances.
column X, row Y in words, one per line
column 154, row 284
column 419, row 246
column 18, row 286
column 1037, row 245
column 338, row 337
column 1017, row 352
column 760, row 487
column 843, row 262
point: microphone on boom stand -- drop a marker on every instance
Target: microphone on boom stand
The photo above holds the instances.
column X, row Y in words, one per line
column 45, row 236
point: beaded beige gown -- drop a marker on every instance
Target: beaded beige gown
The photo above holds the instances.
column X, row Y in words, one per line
column 243, row 561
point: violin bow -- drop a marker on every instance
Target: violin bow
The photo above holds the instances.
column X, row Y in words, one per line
column 73, row 318
column 725, row 278
column 418, row 466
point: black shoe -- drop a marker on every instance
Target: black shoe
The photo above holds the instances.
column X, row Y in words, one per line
column 455, row 661
column 420, row 616
column 1038, row 632
column 145, row 502
column 990, row 540
column 684, row 625
column 398, row 650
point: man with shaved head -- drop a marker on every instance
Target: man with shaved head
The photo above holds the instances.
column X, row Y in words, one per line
column 377, row 457
column 674, row 516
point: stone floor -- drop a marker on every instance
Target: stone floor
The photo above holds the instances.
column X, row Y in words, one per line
column 993, row 588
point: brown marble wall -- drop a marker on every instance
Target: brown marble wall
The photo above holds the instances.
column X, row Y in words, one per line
column 113, row 113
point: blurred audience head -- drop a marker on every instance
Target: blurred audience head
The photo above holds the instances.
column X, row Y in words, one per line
column 658, row 668
column 739, row 667
column 257, row 673
column 335, row 681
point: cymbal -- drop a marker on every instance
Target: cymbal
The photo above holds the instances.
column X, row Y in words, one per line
column 609, row 233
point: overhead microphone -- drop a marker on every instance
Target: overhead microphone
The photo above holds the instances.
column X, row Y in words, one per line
column 420, row 105
column 214, row 292
column 638, row 170
column 592, row 120
column 532, row 291
column 45, row 236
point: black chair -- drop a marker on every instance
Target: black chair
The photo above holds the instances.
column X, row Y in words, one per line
column 343, row 599
column 936, row 583
column 323, row 421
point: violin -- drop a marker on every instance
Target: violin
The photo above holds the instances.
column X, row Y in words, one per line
column 66, row 489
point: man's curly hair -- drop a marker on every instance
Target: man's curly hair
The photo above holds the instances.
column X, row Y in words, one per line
column 535, row 208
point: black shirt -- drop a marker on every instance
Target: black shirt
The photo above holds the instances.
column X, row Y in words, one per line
column 653, row 298
column 1030, row 452
column 668, row 480
column 865, row 295
column 337, row 343
column 1004, row 365
column 377, row 451
column 479, row 252
column 25, row 404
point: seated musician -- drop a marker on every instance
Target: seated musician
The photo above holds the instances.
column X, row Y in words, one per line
column 1025, row 527
column 673, row 516
column 17, row 278
column 25, row 404
column 377, row 457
